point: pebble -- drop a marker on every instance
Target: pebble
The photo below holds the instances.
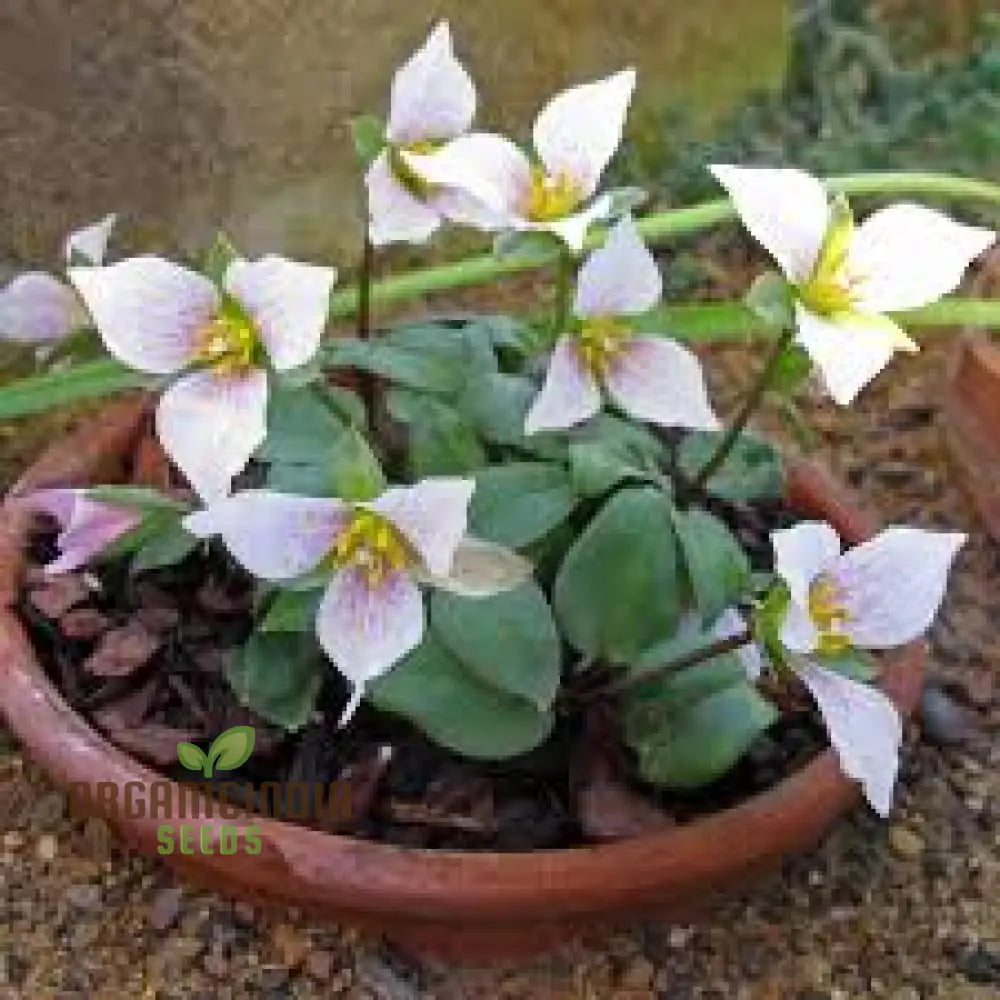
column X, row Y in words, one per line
column 13, row 840
column 291, row 944
column 319, row 964
column 945, row 722
column 905, row 843
column 638, row 975
column 680, row 937
column 47, row 847
column 166, row 908
column 86, row 898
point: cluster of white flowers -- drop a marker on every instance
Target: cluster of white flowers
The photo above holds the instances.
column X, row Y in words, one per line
column 220, row 346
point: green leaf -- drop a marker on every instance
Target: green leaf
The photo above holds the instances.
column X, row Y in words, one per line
column 87, row 380
column 299, row 426
column 502, row 332
column 793, row 368
column 509, row 641
column 518, row 503
column 191, row 756
column 691, row 743
column 218, row 258
column 717, row 568
column 292, row 611
column 142, row 498
column 674, row 692
column 535, row 245
column 439, row 441
column 752, row 471
column 496, row 404
column 597, row 467
column 368, row 136
column 404, row 366
column 618, row 592
column 465, row 346
column 770, row 299
column 445, row 700
column 278, row 675
column 856, row 664
column 231, row 749
column 354, row 471
column 166, row 547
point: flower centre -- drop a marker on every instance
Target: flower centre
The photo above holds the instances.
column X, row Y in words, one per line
column 226, row 344
column 832, row 287
column 372, row 544
column 551, row 196
column 829, row 614
column 600, row 340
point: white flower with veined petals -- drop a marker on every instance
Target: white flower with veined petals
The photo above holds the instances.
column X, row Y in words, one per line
column 847, row 278
column 161, row 318
column 372, row 613
column 880, row 594
column 39, row 308
column 575, row 136
column 651, row 378
column 433, row 100
column 86, row 526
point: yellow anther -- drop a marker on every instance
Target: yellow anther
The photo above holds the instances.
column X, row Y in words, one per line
column 225, row 344
column 831, row 288
column 829, row 614
column 551, row 196
column 373, row 545
column 599, row 340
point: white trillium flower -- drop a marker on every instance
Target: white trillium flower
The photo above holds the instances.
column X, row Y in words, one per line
column 433, row 100
column 880, row 594
column 39, row 308
column 158, row 317
column 371, row 614
column 651, row 378
column 575, row 136
column 847, row 278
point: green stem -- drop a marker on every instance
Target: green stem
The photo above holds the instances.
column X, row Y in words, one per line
column 656, row 228
column 750, row 403
column 718, row 648
column 365, row 289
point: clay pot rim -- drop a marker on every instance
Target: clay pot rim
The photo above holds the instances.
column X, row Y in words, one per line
column 367, row 879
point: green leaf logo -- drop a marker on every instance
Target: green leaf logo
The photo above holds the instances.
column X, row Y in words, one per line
column 228, row 751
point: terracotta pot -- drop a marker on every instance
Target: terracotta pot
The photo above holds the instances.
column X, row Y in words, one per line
column 971, row 420
column 453, row 905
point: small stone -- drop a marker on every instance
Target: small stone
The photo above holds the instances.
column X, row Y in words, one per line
column 84, row 624
column 945, row 722
column 86, row 898
column 905, row 843
column 680, row 937
column 981, row 964
column 216, row 964
column 244, row 914
column 13, row 840
column 166, row 907
column 319, row 964
column 47, row 847
column 979, row 689
column 58, row 594
column 291, row 944
column 639, row 974
column 122, row 651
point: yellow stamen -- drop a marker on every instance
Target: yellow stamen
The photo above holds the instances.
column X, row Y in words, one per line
column 551, row 196
column 829, row 614
column 832, row 289
column 599, row 340
column 226, row 344
column 372, row 544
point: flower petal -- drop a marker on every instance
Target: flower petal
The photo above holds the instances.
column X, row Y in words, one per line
column 579, row 130
column 433, row 97
column 570, row 394
column 906, row 256
column 851, row 350
column 487, row 167
column 289, row 303
column 91, row 242
column 731, row 623
column 481, row 569
column 91, row 528
column 798, row 631
column 210, row 425
column 275, row 536
column 58, row 503
column 367, row 631
column 36, row 308
column 865, row 730
column 619, row 279
column 394, row 214
column 572, row 229
column 433, row 514
column 785, row 210
column 801, row 553
column 147, row 310
column 656, row 380
column 894, row 584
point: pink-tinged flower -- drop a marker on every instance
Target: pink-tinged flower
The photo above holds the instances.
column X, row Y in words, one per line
column 433, row 101
column 880, row 594
column 163, row 319
column 88, row 526
column 847, row 278
column 651, row 378
column 379, row 552
column 575, row 136
column 39, row 308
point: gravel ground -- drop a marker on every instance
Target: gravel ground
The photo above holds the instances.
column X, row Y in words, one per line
column 908, row 909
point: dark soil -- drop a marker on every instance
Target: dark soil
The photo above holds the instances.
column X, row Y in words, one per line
column 144, row 660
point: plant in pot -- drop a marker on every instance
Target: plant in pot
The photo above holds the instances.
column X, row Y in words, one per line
column 563, row 643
